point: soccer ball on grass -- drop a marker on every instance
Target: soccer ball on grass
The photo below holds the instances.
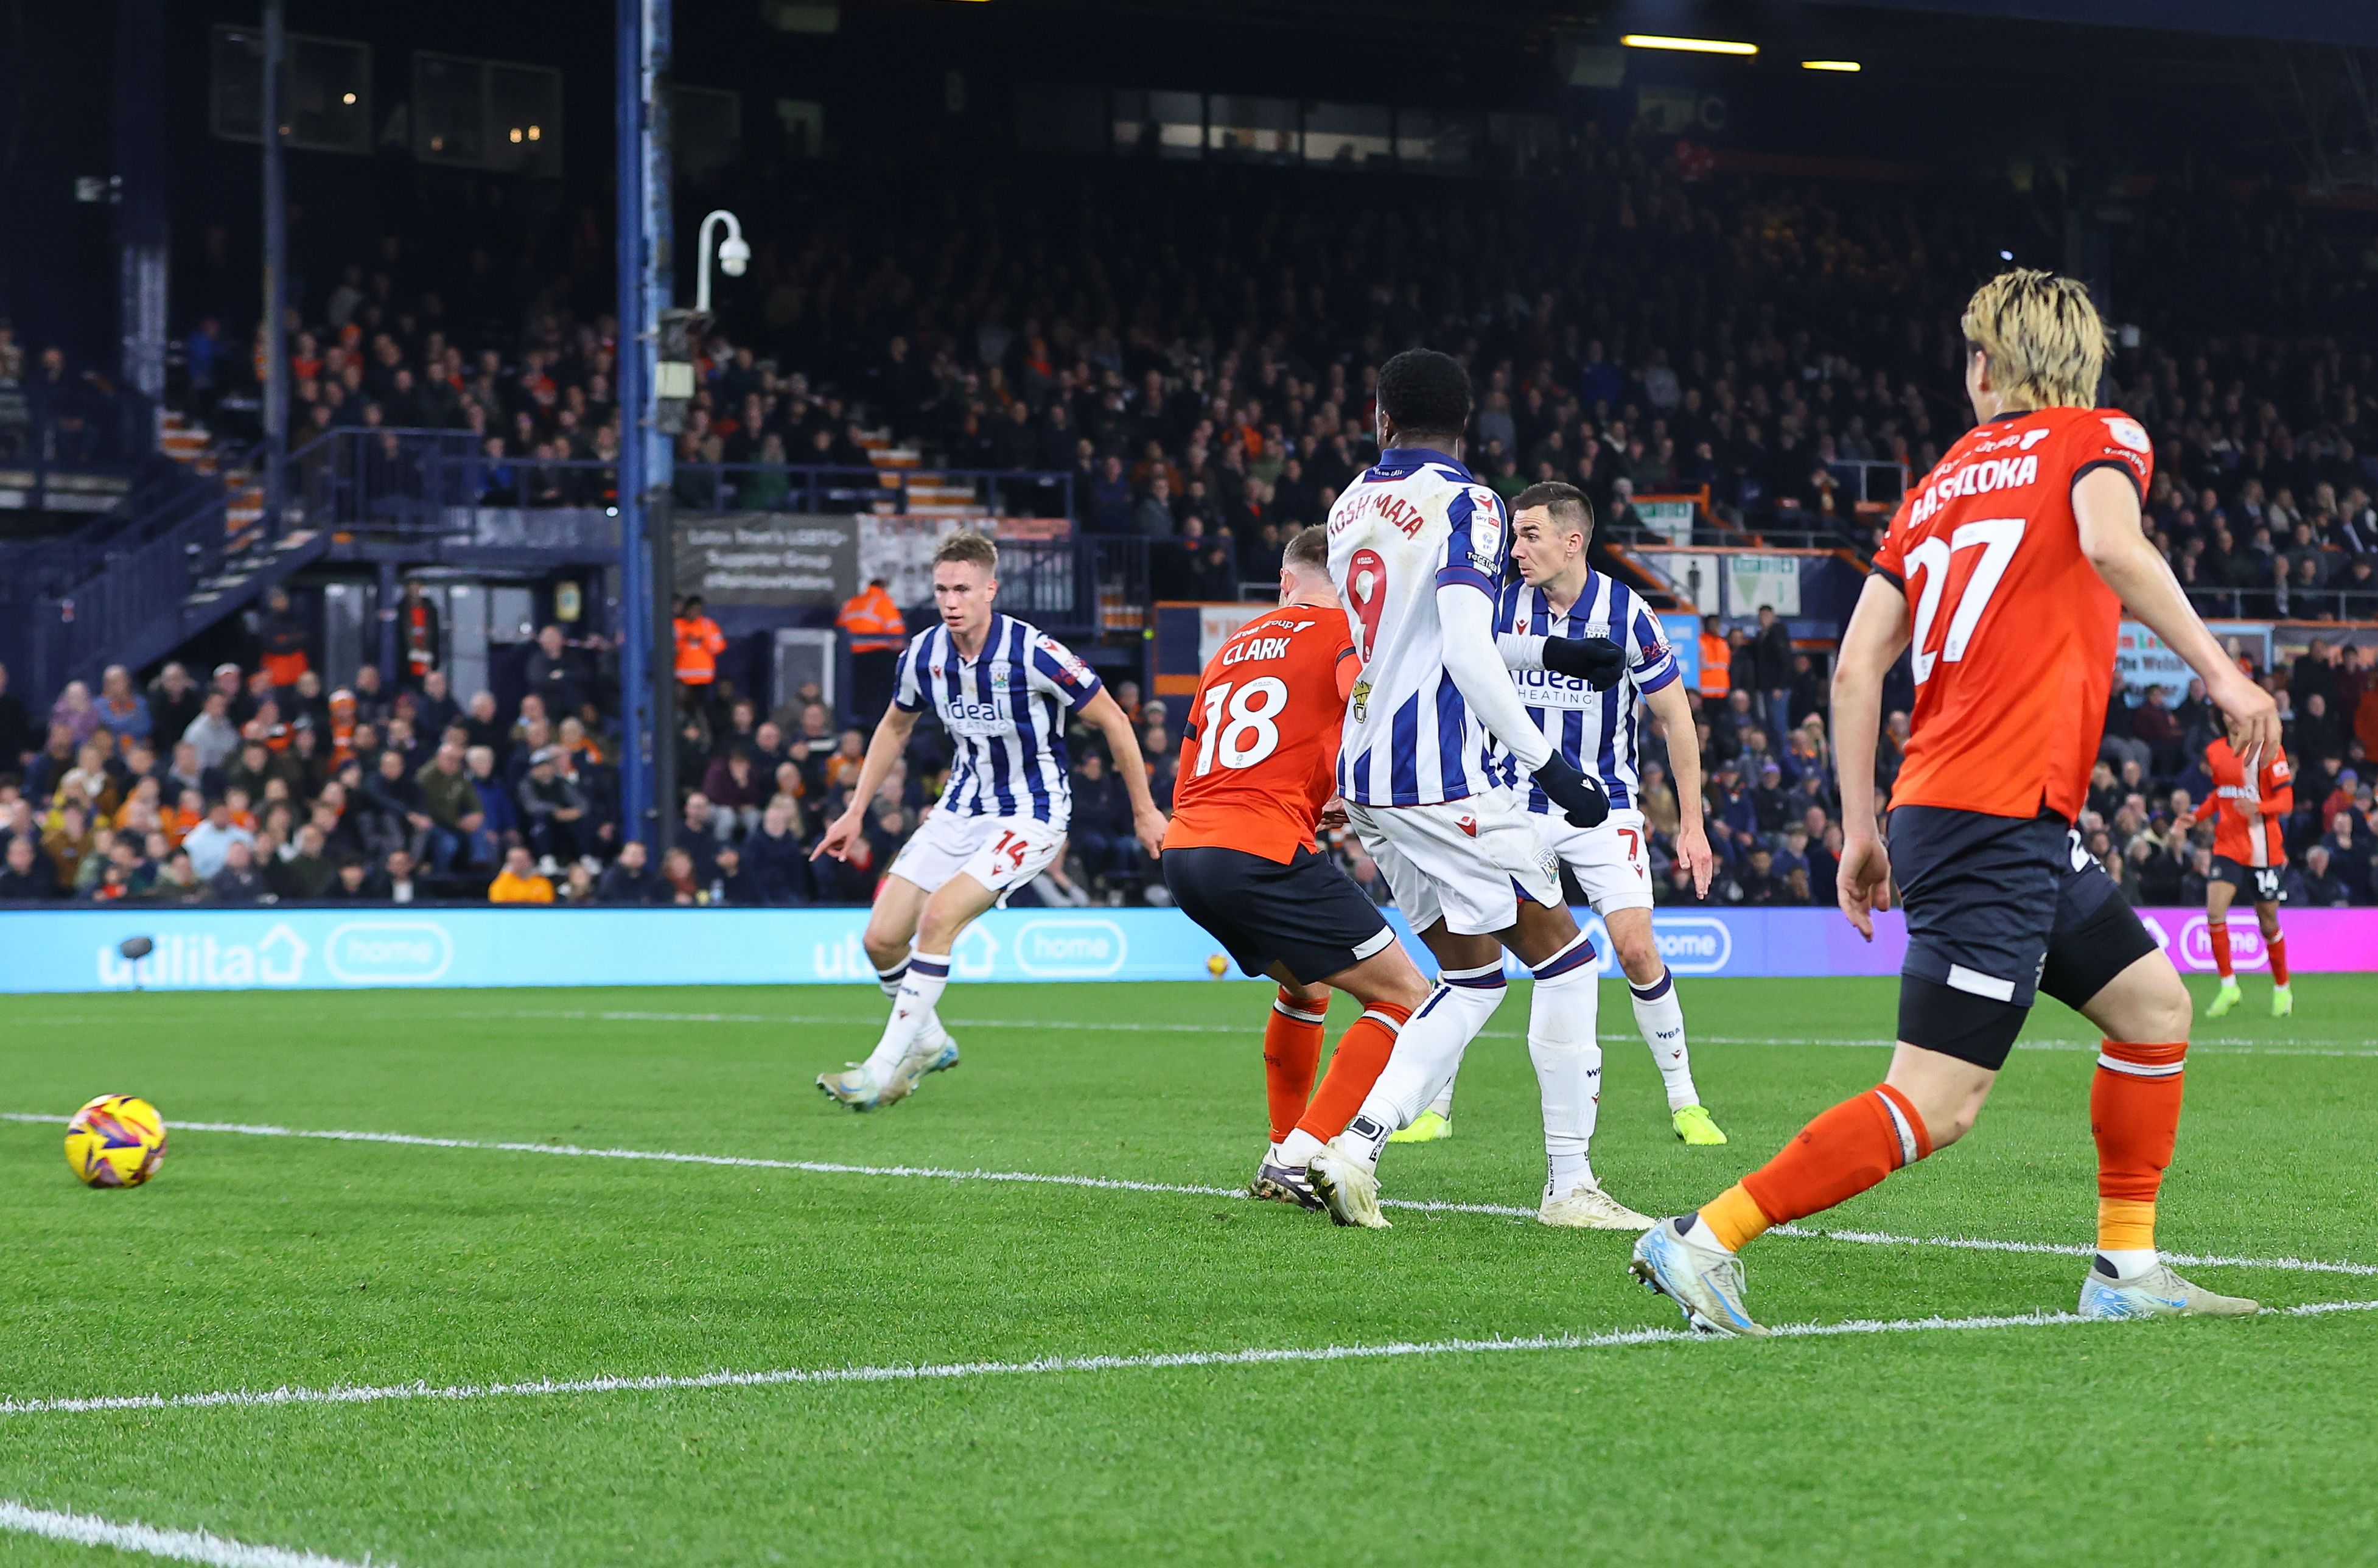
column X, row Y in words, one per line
column 116, row 1140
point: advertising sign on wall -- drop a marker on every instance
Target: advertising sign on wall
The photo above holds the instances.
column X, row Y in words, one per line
column 339, row 949
column 768, row 559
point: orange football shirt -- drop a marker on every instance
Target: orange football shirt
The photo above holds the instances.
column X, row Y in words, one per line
column 2245, row 831
column 2013, row 636
column 1259, row 754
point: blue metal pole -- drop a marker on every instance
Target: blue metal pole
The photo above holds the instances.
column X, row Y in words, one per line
column 275, row 389
column 633, row 381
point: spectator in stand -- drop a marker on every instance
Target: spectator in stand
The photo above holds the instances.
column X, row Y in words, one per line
column 553, row 812
column 174, row 702
column 23, row 877
column 2317, row 886
column 739, row 792
column 680, row 884
column 452, row 802
column 555, row 676
column 178, row 882
column 519, row 882
column 876, row 633
column 213, row 733
column 699, row 643
column 420, row 642
column 776, row 863
column 499, row 821
column 1772, row 663
column 631, row 879
column 281, row 639
column 397, row 878
column 123, row 711
column 237, row 881
column 209, row 844
column 305, row 873
column 396, row 817
column 437, row 712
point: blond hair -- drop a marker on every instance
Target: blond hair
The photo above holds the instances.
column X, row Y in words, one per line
column 2041, row 336
column 973, row 549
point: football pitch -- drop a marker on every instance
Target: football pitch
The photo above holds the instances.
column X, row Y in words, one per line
column 1022, row 1317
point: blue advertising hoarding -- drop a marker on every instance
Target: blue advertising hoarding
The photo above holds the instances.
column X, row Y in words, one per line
column 333, row 949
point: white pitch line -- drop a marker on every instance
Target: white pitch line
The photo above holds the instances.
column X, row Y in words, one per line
column 182, row 1546
column 2228, row 1044
column 1183, row 1189
column 1395, row 1349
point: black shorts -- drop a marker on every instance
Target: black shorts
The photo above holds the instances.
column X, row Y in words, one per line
column 1999, row 908
column 1306, row 914
column 2257, row 883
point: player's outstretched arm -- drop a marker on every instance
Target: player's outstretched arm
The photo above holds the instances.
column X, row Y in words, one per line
column 1104, row 715
column 1878, row 631
column 2106, row 503
column 1467, row 620
column 1597, row 661
column 1675, row 712
column 882, row 752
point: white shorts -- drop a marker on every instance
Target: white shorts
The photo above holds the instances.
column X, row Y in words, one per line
column 1468, row 863
column 1609, row 861
column 1000, row 852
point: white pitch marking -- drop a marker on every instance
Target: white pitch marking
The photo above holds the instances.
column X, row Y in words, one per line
column 1117, row 1184
column 2224, row 1044
column 182, row 1546
column 348, row 1394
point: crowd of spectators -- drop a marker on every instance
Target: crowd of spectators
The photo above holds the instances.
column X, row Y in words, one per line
column 243, row 790
column 1196, row 349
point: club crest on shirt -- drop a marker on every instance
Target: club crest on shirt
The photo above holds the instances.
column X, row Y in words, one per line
column 1361, row 695
column 2129, row 434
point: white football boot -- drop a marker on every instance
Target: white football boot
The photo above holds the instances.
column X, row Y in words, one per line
column 2159, row 1292
column 1676, row 1258
column 1589, row 1208
column 1347, row 1187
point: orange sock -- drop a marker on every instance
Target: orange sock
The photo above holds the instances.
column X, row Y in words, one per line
column 1836, row 1157
column 2279, row 951
column 2135, row 1117
column 1354, row 1067
column 2217, row 932
column 1291, row 1051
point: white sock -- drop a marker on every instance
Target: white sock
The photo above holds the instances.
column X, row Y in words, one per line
column 890, row 979
column 1443, row 1104
column 1296, row 1150
column 1428, row 1051
column 912, row 1013
column 1561, row 1019
column 2128, row 1263
column 1662, row 1018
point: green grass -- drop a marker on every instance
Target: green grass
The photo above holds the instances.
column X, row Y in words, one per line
column 254, row 1263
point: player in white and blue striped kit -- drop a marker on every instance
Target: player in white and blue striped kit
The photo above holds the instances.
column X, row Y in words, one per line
column 1417, row 551
column 1552, row 593
column 1002, row 689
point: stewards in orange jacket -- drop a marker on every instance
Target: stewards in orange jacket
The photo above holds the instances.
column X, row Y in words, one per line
column 876, row 632
column 1717, row 661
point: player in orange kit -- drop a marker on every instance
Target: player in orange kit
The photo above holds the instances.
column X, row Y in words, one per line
column 2005, row 575
column 2248, row 855
column 1258, row 763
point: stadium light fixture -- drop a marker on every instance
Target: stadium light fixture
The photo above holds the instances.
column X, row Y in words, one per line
column 1686, row 45
column 733, row 255
column 1849, row 66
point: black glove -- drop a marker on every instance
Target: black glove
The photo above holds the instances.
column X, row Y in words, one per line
column 1597, row 661
column 1579, row 795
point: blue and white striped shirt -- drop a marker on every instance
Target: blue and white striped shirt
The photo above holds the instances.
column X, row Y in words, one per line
column 1005, row 713
column 1415, row 522
column 1596, row 732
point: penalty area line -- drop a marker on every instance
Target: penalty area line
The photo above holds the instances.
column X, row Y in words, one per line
column 1180, row 1189
column 181, row 1546
column 932, row 1371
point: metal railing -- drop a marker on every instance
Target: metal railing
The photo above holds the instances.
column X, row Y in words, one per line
column 407, row 479
column 2285, row 604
